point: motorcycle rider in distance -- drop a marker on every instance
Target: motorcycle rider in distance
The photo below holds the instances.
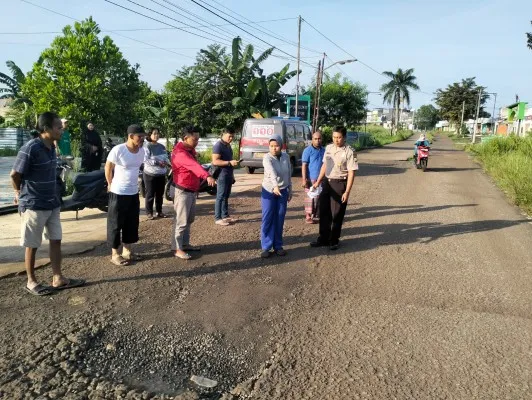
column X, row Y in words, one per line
column 422, row 141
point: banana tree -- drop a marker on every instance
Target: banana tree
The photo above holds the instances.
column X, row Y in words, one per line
column 13, row 90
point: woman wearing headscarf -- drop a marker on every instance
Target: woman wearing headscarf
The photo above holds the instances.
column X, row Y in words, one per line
column 422, row 141
column 276, row 193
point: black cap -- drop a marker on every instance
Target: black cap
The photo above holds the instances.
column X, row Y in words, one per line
column 135, row 130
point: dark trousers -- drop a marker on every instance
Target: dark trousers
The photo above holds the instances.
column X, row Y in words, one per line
column 332, row 210
column 223, row 191
column 123, row 219
column 273, row 214
column 154, row 190
column 91, row 162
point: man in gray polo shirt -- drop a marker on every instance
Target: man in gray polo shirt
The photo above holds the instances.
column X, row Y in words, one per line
column 38, row 195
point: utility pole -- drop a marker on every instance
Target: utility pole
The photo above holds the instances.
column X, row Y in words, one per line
column 298, row 61
column 462, row 120
column 476, row 117
column 315, row 115
column 318, row 94
column 493, row 115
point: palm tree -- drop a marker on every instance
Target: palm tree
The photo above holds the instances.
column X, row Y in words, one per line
column 14, row 85
column 398, row 89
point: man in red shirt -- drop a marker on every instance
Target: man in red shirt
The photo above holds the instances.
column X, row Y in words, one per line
column 188, row 174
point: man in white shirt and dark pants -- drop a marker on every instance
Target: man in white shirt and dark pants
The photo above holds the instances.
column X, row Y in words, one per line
column 121, row 172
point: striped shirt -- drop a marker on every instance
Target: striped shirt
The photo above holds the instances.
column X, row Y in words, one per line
column 41, row 186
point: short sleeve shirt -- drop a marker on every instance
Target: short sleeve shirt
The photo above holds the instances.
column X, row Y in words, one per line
column 41, row 187
column 127, row 166
column 226, row 154
column 314, row 158
column 338, row 161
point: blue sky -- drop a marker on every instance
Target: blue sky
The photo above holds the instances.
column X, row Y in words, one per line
column 444, row 41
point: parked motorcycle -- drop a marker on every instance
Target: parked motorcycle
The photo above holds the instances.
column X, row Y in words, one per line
column 204, row 187
column 90, row 191
column 109, row 144
column 422, row 159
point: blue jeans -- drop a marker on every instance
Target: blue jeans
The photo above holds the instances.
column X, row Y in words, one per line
column 223, row 191
column 273, row 213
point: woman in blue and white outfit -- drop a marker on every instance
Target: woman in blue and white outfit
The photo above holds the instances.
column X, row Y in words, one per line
column 155, row 167
column 276, row 193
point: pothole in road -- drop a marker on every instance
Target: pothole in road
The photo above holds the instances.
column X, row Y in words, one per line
column 162, row 359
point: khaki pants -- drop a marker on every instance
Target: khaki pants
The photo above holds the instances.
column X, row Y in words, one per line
column 34, row 222
column 185, row 211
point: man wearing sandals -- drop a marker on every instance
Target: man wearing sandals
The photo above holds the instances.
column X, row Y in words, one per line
column 122, row 171
column 38, row 195
column 188, row 174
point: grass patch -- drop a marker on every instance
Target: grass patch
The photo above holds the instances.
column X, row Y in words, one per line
column 376, row 136
column 8, row 152
column 205, row 157
column 387, row 138
column 509, row 161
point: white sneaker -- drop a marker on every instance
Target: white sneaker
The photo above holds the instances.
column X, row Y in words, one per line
column 221, row 222
column 230, row 220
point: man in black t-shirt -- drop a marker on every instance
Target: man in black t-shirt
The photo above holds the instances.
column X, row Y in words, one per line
column 222, row 157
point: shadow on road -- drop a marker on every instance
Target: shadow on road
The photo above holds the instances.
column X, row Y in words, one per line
column 367, row 169
column 355, row 239
column 449, row 169
column 381, row 211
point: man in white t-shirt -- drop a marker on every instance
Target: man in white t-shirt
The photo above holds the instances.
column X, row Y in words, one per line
column 121, row 172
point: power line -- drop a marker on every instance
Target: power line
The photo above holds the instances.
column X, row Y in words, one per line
column 166, row 16
column 339, row 68
column 121, row 47
column 155, row 19
column 162, row 22
column 345, row 51
column 272, row 34
column 140, row 29
column 198, row 18
column 242, row 29
column 124, row 36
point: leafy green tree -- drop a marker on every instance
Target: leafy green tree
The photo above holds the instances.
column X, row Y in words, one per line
column 151, row 110
column 342, row 102
column 188, row 101
column 397, row 90
column 224, row 89
column 450, row 100
column 83, row 77
column 426, row 117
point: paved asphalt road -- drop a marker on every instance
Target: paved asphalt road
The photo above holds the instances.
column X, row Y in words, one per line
column 430, row 296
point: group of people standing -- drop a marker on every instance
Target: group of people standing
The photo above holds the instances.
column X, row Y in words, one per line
column 330, row 170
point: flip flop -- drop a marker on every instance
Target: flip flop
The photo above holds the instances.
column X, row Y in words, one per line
column 72, row 283
column 133, row 257
column 40, row 290
column 120, row 261
column 185, row 256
